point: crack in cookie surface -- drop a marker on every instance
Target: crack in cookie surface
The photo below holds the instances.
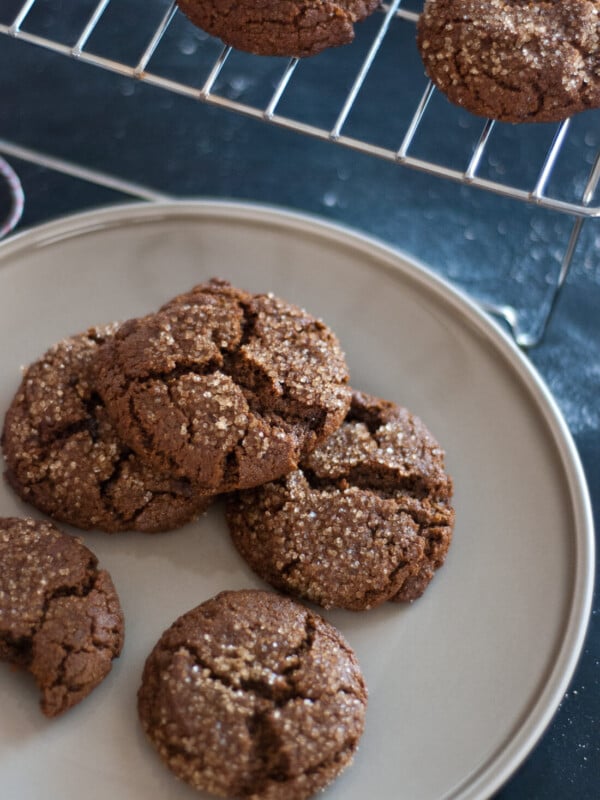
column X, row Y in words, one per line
column 252, row 695
column 366, row 518
column 514, row 60
column 60, row 616
column 222, row 387
column 295, row 29
column 63, row 454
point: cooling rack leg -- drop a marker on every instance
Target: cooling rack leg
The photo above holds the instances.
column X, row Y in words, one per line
column 564, row 271
column 527, row 339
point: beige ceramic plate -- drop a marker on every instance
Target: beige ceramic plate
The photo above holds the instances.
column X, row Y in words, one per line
column 462, row 683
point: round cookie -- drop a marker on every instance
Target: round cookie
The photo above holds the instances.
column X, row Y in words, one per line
column 60, row 616
column 224, row 388
column 64, row 457
column 514, row 60
column 366, row 518
column 251, row 695
column 294, row 28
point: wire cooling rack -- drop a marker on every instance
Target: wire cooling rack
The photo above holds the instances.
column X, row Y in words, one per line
column 421, row 143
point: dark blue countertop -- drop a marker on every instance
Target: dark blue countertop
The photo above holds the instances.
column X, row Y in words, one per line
column 497, row 249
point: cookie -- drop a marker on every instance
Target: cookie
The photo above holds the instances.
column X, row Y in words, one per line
column 63, row 455
column 366, row 518
column 60, row 616
column 223, row 388
column 295, row 28
column 514, row 60
column 251, row 695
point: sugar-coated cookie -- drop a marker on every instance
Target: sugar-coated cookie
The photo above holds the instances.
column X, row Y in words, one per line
column 251, row 695
column 60, row 615
column 223, row 388
column 63, row 455
column 366, row 518
column 274, row 28
column 514, row 60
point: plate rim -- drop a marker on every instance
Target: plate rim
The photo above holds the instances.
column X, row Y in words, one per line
column 507, row 757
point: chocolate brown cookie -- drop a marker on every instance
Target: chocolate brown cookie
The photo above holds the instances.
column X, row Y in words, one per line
column 223, row 388
column 366, row 518
column 274, row 28
column 64, row 457
column 60, row 616
column 514, row 60
column 251, row 695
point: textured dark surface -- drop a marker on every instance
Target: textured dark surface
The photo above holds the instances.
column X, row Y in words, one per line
column 496, row 249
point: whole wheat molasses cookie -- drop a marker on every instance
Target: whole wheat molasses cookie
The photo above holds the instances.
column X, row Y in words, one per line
column 63, row 455
column 60, row 616
column 224, row 388
column 251, row 695
column 514, row 60
column 293, row 28
column 366, row 518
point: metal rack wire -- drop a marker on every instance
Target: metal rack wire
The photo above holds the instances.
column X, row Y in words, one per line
column 580, row 208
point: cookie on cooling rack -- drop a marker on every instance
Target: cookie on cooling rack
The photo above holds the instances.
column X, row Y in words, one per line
column 223, row 388
column 63, row 455
column 512, row 60
column 252, row 695
column 60, row 616
column 366, row 518
column 296, row 28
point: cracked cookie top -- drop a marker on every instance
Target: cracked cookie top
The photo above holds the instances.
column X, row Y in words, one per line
column 366, row 518
column 295, row 28
column 514, row 60
column 251, row 695
column 63, row 454
column 60, row 616
column 223, row 388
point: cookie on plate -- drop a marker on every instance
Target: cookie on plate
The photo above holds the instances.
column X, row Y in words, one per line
column 366, row 518
column 223, row 388
column 63, row 455
column 296, row 28
column 251, row 695
column 514, row 60
column 60, row 616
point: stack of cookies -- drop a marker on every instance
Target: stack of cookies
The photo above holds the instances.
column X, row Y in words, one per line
column 137, row 426
column 332, row 495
